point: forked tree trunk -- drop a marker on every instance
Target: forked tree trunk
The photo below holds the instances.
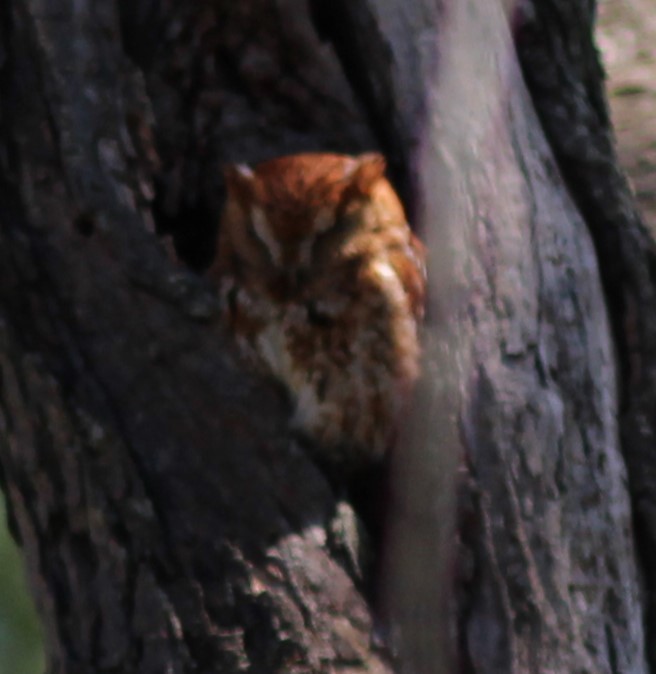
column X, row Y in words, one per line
column 169, row 520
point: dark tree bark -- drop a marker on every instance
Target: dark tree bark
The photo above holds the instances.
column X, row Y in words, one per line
column 169, row 520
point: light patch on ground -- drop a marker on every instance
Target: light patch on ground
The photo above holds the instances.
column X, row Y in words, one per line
column 626, row 36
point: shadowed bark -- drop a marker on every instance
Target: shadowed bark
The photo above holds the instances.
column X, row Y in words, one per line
column 169, row 519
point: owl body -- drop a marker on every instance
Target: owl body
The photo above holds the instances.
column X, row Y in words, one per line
column 323, row 284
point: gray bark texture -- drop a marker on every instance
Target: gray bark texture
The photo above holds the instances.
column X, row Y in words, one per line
column 169, row 520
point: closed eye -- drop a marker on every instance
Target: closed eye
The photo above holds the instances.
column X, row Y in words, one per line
column 341, row 227
column 324, row 220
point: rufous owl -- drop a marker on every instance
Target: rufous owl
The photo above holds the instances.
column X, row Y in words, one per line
column 323, row 284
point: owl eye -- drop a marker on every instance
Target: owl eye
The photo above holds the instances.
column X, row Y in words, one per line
column 324, row 220
column 340, row 225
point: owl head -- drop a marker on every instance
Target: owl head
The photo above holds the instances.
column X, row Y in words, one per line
column 288, row 220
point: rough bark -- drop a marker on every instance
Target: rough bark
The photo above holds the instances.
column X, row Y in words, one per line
column 548, row 513
column 169, row 520
column 566, row 81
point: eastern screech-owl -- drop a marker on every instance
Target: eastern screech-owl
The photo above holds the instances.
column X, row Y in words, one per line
column 324, row 282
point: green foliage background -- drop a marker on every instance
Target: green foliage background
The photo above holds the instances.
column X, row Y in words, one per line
column 21, row 649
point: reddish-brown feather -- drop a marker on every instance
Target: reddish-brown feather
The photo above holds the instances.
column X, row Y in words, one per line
column 324, row 283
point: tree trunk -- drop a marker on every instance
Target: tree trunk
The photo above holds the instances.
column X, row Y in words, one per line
column 169, row 519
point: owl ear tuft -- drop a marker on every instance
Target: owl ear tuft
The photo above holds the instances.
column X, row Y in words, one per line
column 369, row 169
column 240, row 182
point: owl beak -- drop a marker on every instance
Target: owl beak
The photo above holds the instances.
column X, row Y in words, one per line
column 301, row 276
column 293, row 280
